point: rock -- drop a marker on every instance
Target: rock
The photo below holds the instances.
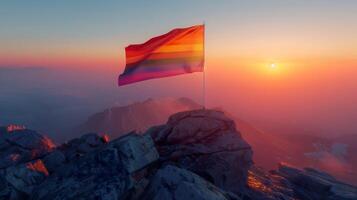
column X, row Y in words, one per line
column 10, row 128
column 291, row 183
column 207, row 143
column 7, row 191
column 92, row 139
column 171, row 182
column 80, row 146
column 103, row 173
column 22, row 145
column 196, row 155
column 54, row 160
column 135, row 151
column 11, row 194
column 313, row 184
column 25, row 177
column 265, row 186
column 96, row 175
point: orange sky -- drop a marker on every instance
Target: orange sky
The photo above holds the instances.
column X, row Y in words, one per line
column 313, row 44
column 95, row 34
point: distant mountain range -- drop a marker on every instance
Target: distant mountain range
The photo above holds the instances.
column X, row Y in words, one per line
column 270, row 148
column 137, row 116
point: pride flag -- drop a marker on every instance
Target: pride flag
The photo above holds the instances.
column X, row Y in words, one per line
column 179, row 51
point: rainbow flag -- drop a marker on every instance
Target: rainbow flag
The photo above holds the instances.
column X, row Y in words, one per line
column 179, row 51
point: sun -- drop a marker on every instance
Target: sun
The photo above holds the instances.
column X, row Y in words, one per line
column 273, row 65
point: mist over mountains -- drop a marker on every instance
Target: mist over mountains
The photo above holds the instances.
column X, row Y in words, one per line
column 50, row 100
column 56, row 101
column 138, row 116
column 66, row 103
column 334, row 155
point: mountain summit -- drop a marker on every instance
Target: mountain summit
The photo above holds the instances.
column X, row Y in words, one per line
column 197, row 154
column 270, row 148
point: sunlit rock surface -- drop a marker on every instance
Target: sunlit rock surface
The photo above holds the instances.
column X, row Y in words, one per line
column 197, row 154
column 207, row 143
column 25, row 177
column 291, row 183
column 19, row 145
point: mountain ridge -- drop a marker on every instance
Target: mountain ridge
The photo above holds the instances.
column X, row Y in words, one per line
column 302, row 150
column 197, row 154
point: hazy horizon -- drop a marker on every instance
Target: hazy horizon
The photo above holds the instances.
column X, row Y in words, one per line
column 56, row 101
column 74, row 52
column 112, row 91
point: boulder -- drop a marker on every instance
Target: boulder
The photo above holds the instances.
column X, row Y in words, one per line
column 96, row 175
column 207, row 143
column 78, row 147
column 20, row 145
column 171, row 182
column 313, row 184
column 291, row 183
column 7, row 191
column 135, row 151
column 54, row 160
column 103, row 173
column 25, row 177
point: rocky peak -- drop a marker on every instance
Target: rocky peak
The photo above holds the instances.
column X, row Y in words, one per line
column 197, row 154
column 207, row 143
column 195, row 126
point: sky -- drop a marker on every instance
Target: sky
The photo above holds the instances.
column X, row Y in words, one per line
column 82, row 33
column 312, row 43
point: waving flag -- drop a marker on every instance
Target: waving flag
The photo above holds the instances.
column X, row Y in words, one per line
column 179, row 51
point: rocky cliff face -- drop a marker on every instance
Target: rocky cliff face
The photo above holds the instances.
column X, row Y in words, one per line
column 197, row 154
column 207, row 143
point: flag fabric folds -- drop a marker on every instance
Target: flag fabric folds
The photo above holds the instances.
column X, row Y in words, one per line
column 179, row 51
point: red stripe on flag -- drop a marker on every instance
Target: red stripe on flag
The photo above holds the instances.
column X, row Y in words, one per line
column 180, row 47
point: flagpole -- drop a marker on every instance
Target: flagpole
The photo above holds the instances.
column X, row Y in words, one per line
column 204, row 71
column 204, row 90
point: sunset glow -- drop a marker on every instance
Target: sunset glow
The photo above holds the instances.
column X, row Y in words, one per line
column 81, row 42
column 273, row 65
column 271, row 52
column 221, row 99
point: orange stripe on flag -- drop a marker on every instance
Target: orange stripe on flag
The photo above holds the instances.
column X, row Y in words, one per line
column 177, row 52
